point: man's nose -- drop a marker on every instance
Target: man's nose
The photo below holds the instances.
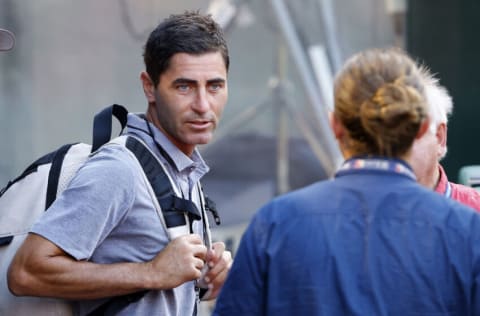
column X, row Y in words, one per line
column 201, row 103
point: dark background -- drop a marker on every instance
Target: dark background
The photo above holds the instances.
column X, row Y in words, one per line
column 445, row 35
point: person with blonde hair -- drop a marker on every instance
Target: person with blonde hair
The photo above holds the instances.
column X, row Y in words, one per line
column 431, row 148
column 371, row 241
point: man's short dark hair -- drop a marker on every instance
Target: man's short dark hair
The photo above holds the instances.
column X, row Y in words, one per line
column 191, row 33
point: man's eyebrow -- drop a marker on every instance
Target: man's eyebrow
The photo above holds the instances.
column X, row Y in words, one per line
column 184, row 81
column 216, row 80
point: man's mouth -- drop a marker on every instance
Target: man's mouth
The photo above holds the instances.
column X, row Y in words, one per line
column 199, row 124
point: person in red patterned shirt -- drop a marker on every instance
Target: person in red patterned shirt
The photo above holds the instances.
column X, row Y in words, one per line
column 432, row 147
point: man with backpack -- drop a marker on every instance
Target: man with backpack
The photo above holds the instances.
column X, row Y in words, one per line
column 103, row 243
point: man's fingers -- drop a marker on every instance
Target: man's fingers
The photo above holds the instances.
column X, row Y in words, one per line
column 198, row 264
column 200, row 251
column 215, row 253
column 219, row 267
column 191, row 239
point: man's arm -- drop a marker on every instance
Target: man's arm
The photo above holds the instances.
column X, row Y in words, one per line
column 40, row 268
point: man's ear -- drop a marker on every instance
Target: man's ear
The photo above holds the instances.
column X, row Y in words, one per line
column 441, row 136
column 336, row 125
column 423, row 128
column 148, row 87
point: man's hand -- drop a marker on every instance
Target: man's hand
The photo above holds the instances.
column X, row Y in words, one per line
column 219, row 262
column 180, row 261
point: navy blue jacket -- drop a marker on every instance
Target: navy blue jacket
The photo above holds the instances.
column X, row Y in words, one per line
column 369, row 242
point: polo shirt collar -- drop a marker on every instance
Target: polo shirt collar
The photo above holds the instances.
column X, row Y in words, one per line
column 137, row 124
column 442, row 181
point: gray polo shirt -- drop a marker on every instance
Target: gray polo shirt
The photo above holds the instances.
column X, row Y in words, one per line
column 106, row 215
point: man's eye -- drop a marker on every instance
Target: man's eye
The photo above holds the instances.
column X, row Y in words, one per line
column 215, row 86
column 183, row 87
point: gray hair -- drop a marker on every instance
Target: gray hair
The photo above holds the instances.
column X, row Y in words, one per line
column 440, row 103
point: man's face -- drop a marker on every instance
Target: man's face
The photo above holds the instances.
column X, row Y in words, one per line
column 426, row 152
column 189, row 99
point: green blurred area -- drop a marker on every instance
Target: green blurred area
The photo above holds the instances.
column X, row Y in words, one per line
column 444, row 34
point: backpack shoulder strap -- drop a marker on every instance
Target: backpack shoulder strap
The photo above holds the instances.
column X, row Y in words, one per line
column 54, row 174
column 173, row 208
column 102, row 130
column 102, row 124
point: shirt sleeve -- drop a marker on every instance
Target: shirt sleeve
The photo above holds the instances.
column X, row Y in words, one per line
column 244, row 290
column 95, row 201
column 475, row 244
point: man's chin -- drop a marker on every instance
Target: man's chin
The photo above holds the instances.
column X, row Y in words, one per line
column 201, row 139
